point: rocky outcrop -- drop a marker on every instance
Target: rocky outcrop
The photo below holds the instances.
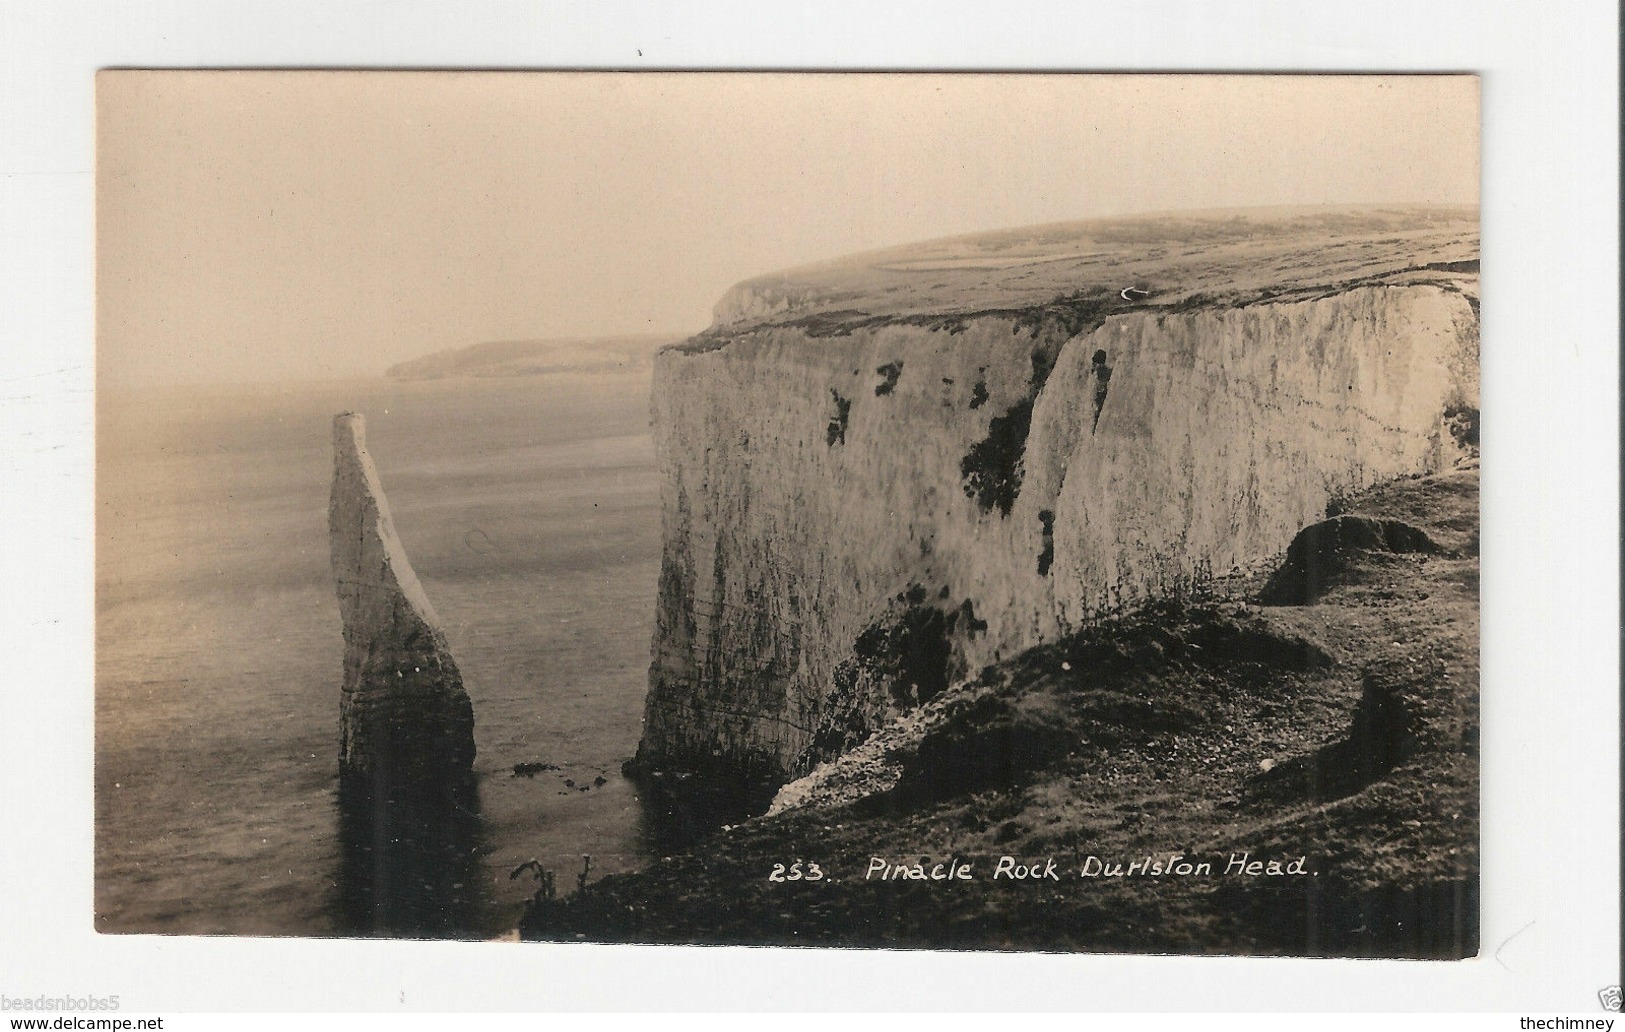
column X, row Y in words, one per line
column 406, row 724
column 882, row 475
column 1321, row 554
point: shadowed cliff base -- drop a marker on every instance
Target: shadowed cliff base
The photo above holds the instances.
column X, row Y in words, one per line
column 1337, row 740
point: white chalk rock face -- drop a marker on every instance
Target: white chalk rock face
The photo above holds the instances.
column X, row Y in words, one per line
column 879, row 476
column 406, row 724
column 1225, row 432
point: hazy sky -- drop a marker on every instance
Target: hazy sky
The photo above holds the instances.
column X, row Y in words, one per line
column 299, row 225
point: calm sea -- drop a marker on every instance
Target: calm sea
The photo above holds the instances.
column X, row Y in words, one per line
column 529, row 509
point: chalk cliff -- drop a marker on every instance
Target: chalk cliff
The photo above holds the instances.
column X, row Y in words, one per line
column 406, row 724
column 881, row 474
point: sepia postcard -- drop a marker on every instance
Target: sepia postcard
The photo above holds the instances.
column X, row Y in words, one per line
column 1028, row 512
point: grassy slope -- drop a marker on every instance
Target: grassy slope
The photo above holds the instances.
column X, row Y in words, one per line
column 1190, row 259
column 1148, row 735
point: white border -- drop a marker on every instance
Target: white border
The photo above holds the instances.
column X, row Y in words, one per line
column 1550, row 489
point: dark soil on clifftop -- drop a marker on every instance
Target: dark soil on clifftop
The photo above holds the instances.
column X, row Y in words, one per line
column 1333, row 732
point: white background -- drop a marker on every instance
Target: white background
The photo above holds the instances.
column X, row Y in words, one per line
column 1550, row 555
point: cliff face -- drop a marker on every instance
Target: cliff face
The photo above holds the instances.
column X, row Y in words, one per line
column 406, row 724
column 865, row 505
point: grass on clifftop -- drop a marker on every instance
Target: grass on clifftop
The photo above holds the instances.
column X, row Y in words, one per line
column 1174, row 262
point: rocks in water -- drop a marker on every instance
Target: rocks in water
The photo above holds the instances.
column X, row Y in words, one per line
column 530, row 770
column 406, row 723
column 1323, row 551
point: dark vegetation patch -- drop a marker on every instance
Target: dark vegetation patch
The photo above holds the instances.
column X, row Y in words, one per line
column 1208, row 300
column 986, row 742
column 978, row 392
column 919, row 652
column 1462, row 422
column 992, row 470
column 1070, row 314
column 1200, row 300
column 1470, row 265
column 1102, row 374
column 912, row 655
column 1323, row 554
column 700, row 343
column 1046, row 554
column 1121, row 684
column 1163, row 638
column 907, row 657
column 839, row 323
column 835, row 433
column 1445, row 505
column 966, row 618
column 888, row 378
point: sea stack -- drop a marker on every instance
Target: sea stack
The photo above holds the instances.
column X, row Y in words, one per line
column 406, row 724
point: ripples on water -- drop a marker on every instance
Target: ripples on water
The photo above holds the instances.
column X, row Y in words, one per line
column 529, row 508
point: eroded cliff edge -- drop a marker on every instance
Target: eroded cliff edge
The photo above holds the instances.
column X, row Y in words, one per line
column 881, row 475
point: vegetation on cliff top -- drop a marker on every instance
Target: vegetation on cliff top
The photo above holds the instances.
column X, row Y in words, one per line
column 1175, row 261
